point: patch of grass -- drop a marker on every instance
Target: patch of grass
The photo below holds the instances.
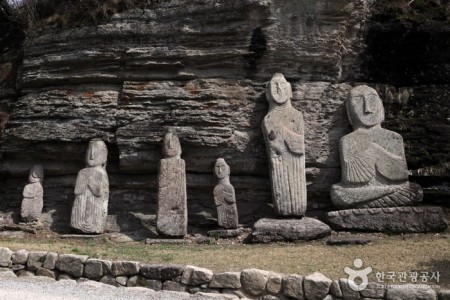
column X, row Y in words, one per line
column 389, row 254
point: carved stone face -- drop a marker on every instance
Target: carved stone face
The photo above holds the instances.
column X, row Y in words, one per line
column 36, row 174
column 364, row 107
column 97, row 154
column 221, row 169
column 171, row 145
column 278, row 89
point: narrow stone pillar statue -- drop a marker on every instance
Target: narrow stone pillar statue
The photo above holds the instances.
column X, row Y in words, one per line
column 224, row 196
column 33, row 195
column 283, row 131
column 90, row 208
column 172, row 198
column 374, row 171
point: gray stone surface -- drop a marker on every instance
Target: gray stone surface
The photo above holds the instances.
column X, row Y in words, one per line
column 128, row 268
column 444, row 295
column 347, row 292
column 225, row 233
column 109, row 279
column 224, row 196
column 254, row 281
column 349, row 239
column 5, row 257
column 71, row 264
column 228, row 280
column 90, row 207
column 174, row 286
column 274, row 283
column 50, row 260
column 284, row 134
column 374, row 170
column 293, row 286
column 24, row 273
column 172, row 198
column 36, row 260
column 45, row 272
column 374, row 290
column 122, row 280
column 411, row 293
column 96, row 268
column 277, row 230
column 20, row 257
column 144, row 282
column 193, row 275
column 335, row 289
column 316, row 286
column 33, row 195
column 392, row 219
column 160, row 272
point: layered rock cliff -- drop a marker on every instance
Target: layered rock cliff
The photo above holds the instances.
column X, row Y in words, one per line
column 201, row 66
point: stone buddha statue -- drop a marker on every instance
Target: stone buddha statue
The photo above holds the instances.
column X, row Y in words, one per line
column 283, row 131
column 172, row 215
column 90, row 207
column 33, row 194
column 374, row 171
column 224, row 196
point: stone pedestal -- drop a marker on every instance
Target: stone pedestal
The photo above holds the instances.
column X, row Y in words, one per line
column 390, row 220
column 288, row 230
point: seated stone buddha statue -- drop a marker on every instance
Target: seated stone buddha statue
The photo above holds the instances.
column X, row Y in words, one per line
column 374, row 170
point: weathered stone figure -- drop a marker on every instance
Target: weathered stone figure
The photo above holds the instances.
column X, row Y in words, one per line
column 374, row 171
column 283, row 131
column 33, row 195
column 90, row 208
column 172, row 197
column 224, row 196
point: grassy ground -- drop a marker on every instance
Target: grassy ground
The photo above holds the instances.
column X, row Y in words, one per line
column 427, row 253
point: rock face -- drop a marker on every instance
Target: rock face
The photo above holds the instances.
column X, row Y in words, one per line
column 127, row 80
column 224, row 197
column 90, row 207
column 172, row 199
column 281, row 230
column 284, row 134
column 33, row 195
column 374, row 171
column 393, row 219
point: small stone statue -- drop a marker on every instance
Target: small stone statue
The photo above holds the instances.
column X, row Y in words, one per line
column 90, row 208
column 224, row 196
column 172, row 198
column 374, row 171
column 33, row 195
column 283, row 131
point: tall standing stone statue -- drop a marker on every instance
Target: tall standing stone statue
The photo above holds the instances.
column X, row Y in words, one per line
column 283, row 131
column 374, row 171
column 172, row 198
column 224, row 196
column 33, row 195
column 90, row 208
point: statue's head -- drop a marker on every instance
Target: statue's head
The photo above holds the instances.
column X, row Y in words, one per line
column 36, row 174
column 278, row 90
column 171, row 144
column 364, row 107
column 221, row 168
column 97, row 154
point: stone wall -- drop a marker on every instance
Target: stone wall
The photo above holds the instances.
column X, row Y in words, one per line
column 249, row 283
column 202, row 66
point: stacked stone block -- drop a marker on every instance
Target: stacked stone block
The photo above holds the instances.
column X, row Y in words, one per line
column 249, row 283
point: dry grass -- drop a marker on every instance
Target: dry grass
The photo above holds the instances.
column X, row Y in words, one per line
column 389, row 254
